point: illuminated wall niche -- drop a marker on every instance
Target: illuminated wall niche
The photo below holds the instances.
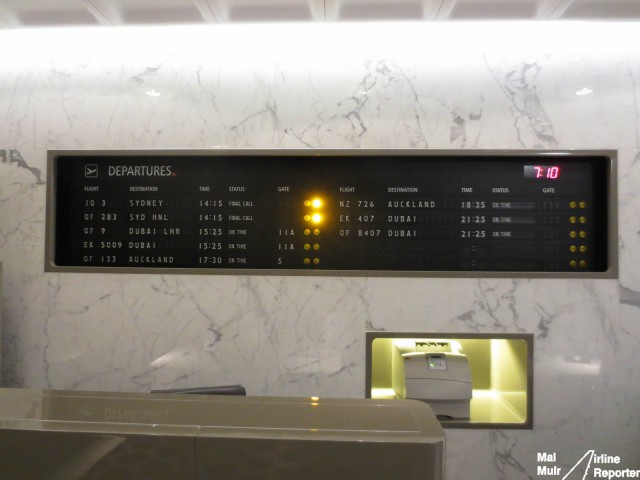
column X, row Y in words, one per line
column 491, row 373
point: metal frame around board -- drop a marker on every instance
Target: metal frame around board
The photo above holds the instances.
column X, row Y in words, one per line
column 612, row 217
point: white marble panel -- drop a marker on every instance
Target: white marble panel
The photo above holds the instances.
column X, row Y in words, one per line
column 459, row 85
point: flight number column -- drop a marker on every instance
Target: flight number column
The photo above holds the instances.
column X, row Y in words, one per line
column 99, row 222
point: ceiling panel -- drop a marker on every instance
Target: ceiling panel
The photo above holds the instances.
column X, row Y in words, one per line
column 161, row 15
column 27, row 13
column 52, row 12
column 375, row 10
column 599, row 9
column 271, row 10
column 55, row 17
column 493, row 10
column 153, row 11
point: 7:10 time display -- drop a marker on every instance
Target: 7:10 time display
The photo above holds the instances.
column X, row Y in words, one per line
column 548, row 172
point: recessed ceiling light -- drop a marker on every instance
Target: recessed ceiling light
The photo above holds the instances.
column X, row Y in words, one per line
column 584, row 91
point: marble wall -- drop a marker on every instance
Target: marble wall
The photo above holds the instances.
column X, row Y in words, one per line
column 415, row 85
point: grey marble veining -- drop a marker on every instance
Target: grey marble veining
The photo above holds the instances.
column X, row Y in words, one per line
column 382, row 86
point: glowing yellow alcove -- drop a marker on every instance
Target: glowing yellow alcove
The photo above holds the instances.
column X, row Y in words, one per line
column 500, row 367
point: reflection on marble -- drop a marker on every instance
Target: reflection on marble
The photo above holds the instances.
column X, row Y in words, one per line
column 448, row 86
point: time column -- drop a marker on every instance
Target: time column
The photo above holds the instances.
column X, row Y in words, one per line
column 211, row 233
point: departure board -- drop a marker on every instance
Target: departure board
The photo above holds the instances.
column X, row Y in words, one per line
column 331, row 212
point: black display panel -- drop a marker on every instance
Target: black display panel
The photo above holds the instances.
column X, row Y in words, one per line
column 317, row 212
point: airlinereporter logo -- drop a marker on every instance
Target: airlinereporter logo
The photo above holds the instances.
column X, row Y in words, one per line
column 591, row 465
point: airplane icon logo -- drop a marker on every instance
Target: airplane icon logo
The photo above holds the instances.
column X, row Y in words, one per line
column 91, row 171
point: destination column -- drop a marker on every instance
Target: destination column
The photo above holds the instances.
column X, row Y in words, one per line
column 157, row 226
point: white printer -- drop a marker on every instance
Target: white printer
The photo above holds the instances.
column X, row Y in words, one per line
column 441, row 379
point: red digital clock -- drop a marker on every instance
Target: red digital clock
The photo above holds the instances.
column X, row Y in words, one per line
column 548, row 172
